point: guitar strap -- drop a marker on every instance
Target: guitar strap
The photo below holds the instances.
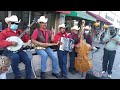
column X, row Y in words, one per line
column 19, row 32
column 111, row 37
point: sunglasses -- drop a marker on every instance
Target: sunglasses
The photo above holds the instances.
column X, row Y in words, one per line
column 14, row 23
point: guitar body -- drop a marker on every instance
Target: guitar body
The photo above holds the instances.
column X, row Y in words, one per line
column 16, row 39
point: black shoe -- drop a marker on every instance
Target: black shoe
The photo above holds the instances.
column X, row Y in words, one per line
column 65, row 77
column 42, row 75
column 72, row 72
column 18, row 77
column 76, row 71
column 28, row 78
column 70, row 69
column 56, row 75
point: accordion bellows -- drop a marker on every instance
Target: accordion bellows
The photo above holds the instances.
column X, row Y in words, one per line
column 67, row 44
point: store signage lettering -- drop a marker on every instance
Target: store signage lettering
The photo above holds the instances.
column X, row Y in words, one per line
column 118, row 22
column 109, row 18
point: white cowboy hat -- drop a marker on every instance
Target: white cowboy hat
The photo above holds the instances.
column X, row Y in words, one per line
column 12, row 18
column 42, row 19
column 75, row 27
column 87, row 27
column 61, row 25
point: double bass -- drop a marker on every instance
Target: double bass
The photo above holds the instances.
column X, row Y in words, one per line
column 82, row 61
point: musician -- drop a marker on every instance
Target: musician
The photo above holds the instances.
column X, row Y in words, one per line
column 76, row 38
column 87, row 35
column 111, row 41
column 62, row 55
column 17, row 56
column 42, row 37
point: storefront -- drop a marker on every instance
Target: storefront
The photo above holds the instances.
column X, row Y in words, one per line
column 54, row 18
column 3, row 15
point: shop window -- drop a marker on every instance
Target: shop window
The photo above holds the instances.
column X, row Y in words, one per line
column 51, row 19
column 3, row 15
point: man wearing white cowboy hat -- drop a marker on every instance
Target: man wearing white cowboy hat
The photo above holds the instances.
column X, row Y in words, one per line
column 62, row 55
column 42, row 37
column 74, row 36
column 15, row 57
column 87, row 35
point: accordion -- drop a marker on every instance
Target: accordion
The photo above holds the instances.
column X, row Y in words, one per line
column 67, row 44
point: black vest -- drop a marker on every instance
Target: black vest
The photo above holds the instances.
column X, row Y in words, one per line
column 42, row 38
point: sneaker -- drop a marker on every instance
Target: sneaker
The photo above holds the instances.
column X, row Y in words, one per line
column 109, row 75
column 103, row 72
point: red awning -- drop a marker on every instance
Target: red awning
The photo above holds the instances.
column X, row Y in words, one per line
column 99, row 18
column 65, row 12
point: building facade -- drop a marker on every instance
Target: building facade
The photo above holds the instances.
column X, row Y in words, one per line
column 54, row 18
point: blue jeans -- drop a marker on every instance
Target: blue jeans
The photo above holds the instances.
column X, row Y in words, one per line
column 18, row 57
column 72, row 59
column 62, row 56
column 44, row 56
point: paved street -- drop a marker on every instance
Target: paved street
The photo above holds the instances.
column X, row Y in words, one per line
column 97, row 65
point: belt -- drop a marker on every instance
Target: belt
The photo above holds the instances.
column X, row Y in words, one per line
column 14, row 51
column 40, row 48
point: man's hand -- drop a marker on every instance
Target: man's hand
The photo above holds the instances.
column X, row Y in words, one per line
column 78, row 45
column 59, row 43
column 113, row 39
column 14, row 43
column 45, row 45
column 28, row 43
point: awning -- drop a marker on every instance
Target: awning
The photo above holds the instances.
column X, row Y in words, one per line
column 99, row 18
column 65, row 12
column 81, row 14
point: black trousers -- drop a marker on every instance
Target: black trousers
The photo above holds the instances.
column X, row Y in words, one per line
column 108, row 60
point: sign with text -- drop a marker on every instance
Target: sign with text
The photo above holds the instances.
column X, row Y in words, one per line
column 62, row 18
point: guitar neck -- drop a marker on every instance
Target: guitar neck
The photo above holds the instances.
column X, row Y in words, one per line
column 26, row 30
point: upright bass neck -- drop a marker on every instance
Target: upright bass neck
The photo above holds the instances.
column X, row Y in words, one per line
column 82, row 29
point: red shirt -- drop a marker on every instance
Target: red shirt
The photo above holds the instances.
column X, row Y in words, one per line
column 58, row 37
column 75, row 35
column 35, row 34
column 7, row 33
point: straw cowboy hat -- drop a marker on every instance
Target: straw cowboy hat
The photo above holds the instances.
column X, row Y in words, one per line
column 61, row 25
column 42, row 19
column 96, row 24
column 12, row 18
column 75, row 27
